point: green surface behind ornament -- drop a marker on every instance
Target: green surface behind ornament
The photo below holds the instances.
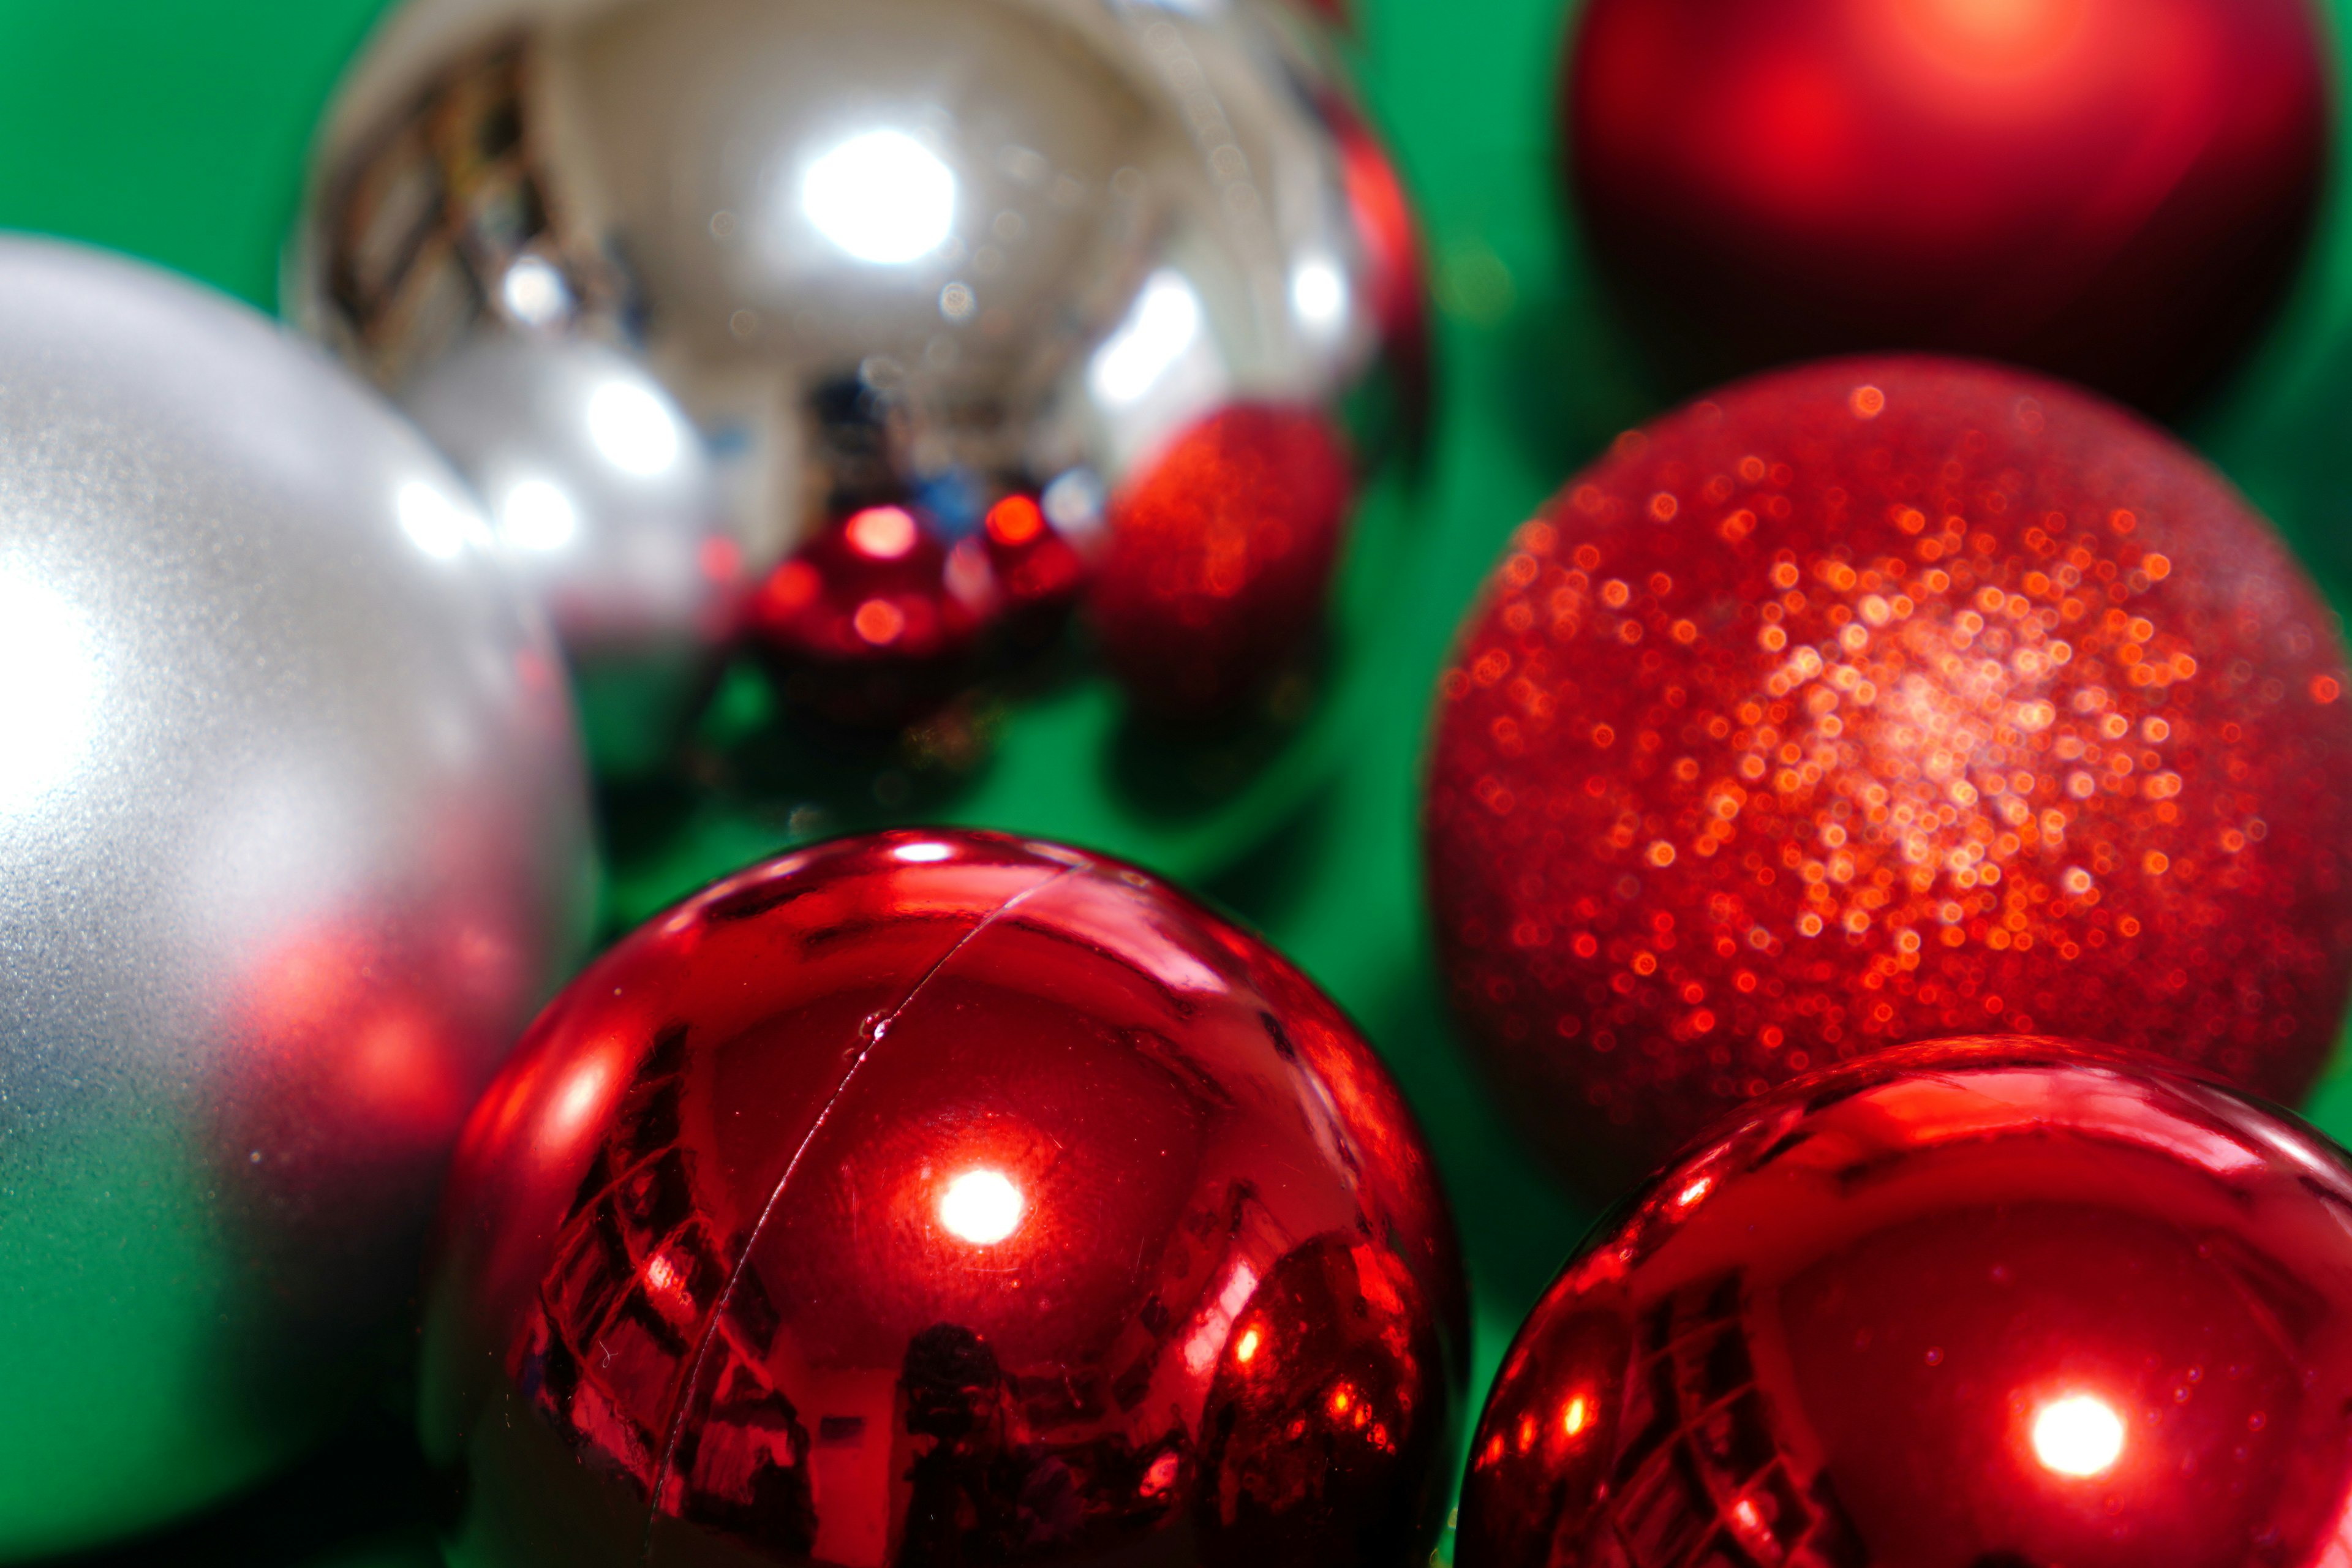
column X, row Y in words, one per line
column 174, row 131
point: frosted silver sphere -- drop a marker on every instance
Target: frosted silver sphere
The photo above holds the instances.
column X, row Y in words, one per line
column 293, row 839
column 880, row 251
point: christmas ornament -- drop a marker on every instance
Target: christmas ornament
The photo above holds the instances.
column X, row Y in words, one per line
column 919, row 251
column 1219, row 557
column 292, row 839
column 2115, row 190
column 1984, row 1303
column 604, row 501
column 1874, row 702
column 865, row 622
column 941, row 1197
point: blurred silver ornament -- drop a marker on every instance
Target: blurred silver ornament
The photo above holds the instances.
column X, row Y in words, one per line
column 292, row 840
column 888, row 251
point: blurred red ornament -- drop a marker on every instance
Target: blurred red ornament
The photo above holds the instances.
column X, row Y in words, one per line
column 1875, row 701
column 1391, row 235
column 2113, row 190
column 1037, row 571
column 864, row 624
column 1221, row 554
column 939, row 1198
column 1984, row 1304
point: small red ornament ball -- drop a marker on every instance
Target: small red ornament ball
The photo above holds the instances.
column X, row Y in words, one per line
column 1221, row 555
column 871, row 622
column 1989, row 1304
column 2115, row 190
column 1875, row 701
column 939, row 1198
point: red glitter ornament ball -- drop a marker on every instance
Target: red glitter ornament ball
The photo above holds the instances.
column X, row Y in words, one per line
column 1875, row 701
column 1221, row 555
column 936, row 1198
column 871, row 622
column 2115, row 190
column 1987, row 1304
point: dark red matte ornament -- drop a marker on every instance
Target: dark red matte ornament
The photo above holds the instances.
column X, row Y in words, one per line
column 870, row 623
column 2116, row 191
column 936, row 1198
column 1875, row 701
column 2003, row 1303
column 1221, row 554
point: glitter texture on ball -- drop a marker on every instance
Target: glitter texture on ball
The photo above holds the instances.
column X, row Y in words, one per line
column 1875, row 701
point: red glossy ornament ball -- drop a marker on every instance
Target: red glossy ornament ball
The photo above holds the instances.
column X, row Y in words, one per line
column 2113, row 190
column 939, row 1198
column 1221, row 554
column 1035, row 572
column 1989, row 1304
column 1875, row 701
column 870, row 623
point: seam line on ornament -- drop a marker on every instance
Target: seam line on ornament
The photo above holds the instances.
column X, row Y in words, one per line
column 676, row 1427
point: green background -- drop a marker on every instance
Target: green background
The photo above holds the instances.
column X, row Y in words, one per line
column 176, row 130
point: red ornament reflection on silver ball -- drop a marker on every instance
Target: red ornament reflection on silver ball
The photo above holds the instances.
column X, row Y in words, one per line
column 939, row 1197
column 2117, row 191
column 864, row 625
column 2000, row 1303
column 1220, row 558
column 1874, row 702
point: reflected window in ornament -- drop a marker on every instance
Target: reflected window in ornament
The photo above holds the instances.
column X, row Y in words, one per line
column 536, row 515
column 882, row 196
column 633, row 430
column 1073, row 501
column 982, row 1206
column 1245, row 1350
column 534, row 292
column 435, row 523
column 1162, row 324
column 2079, row 1436
column 921, row 854
column 1319, row 295
column 882, row 533
column 48, row 688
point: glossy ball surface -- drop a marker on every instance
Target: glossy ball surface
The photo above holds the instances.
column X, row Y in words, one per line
column 2003, row 1301
column 1875, row 701
column 2040, row 181
column 293, row 839
column 939, row 1197
column 864, row 624
column 1041, row 238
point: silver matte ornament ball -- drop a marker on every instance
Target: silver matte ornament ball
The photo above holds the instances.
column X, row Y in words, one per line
column 926, row 253
column 293, row 839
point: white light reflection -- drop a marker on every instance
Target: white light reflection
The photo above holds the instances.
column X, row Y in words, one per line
column 537, row 515
column 434, row 522
column 1160, row 327
column 48, row 689
column 982, row 1206
column 534, row 292
column 632, row 427
column 921, row 854
column 2078, row 1435
column 882, row 196
column 1318, row 294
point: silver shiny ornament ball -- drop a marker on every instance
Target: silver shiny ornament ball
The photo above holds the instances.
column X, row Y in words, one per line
column 293, row 838
column 880, row 251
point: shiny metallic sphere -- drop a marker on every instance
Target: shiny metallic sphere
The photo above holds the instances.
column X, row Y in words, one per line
column 930, row 251
column 292, row 839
